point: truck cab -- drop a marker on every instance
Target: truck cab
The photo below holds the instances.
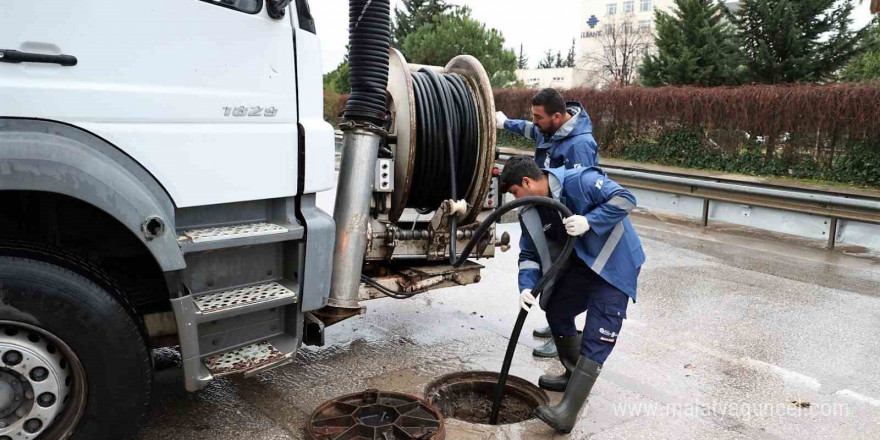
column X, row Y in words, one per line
column 159, row 163
column 159, row 170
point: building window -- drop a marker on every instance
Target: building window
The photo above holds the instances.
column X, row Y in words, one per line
column 646, row 5
column 612, row 9
column 645, row 25
column 629, row 7
column 626, row 27
column 609, row 29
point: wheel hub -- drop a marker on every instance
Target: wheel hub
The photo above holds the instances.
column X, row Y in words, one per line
column 35, row 383
column 11, row 394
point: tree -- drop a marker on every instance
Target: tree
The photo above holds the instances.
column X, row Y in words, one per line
column 559, row 61
column 569, row 60
column 548, row 62
column 623, row 47
column 414, row 14
column 522, row 62
column 797, row 41
column 695, row 45
column 337, row 80
column 456, row 33
column 865, row 67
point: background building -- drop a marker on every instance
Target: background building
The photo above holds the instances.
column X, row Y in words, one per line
column 613, row 36
column 559, row 78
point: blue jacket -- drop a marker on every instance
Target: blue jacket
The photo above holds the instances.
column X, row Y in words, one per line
column 611, row 247
column 572, row 146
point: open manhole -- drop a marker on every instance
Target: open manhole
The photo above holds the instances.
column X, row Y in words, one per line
column 376, row 415
column 468, row 396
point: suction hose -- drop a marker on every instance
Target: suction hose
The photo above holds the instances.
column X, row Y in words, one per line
column 369, row 39
column 537, row 291
column 363, row 131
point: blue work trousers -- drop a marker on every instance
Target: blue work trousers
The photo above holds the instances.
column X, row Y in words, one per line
column 580, row 289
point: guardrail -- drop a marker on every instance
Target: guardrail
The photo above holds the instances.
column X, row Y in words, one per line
column 834, row 206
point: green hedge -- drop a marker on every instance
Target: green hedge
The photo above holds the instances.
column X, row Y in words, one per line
column 827, row 132
column 506, row 139
column 693, row 148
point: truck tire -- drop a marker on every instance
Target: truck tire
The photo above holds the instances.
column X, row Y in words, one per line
column 73, row 362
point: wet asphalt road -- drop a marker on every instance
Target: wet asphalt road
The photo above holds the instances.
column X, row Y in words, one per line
column 734, row 336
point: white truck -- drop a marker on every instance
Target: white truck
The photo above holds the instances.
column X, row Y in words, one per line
column 159, row 165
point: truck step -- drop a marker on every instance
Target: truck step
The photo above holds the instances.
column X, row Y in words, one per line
column 250, row 359
column 242, row 300
column 234, row 231
column 197, row 240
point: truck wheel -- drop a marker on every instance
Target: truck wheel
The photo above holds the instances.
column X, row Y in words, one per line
column 73, row 362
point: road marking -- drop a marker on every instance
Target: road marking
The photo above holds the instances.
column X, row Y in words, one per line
column 860, row 397
column 787, row 375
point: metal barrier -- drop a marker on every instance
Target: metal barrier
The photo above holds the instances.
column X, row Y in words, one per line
column 834, row 206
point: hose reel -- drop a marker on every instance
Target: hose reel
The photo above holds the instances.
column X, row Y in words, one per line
column 412, row 161
column 427, row 104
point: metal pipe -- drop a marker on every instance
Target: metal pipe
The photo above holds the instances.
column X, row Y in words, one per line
column 352, row 213
column 838, row 201
column 751, row 190
column 421, row 234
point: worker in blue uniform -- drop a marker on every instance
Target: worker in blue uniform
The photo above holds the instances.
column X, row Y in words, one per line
column 563, row 135
column 562, row 132
column 601, row 276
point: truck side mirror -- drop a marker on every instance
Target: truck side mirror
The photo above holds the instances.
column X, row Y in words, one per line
column 276, row 7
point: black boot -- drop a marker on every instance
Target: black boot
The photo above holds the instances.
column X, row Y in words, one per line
column 563, row 417
column 543, row 332
column 548, row 350
column 569, row 349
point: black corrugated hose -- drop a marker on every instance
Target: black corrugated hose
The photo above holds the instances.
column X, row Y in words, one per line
column 369, row 39
column 446, row 159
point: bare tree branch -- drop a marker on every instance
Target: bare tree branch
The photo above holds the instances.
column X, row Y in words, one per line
column 622, row 48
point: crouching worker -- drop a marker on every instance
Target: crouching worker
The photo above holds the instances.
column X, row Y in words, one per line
column 600, row 277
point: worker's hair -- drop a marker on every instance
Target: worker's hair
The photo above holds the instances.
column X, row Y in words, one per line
column 551, row 100
column 515, row 169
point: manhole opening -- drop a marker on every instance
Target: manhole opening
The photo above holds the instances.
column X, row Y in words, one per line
column 374, row 414
column 468, row 397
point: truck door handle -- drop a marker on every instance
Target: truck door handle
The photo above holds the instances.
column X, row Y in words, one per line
column 14, row 56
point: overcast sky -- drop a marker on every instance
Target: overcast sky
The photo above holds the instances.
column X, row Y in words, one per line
column 537, row 25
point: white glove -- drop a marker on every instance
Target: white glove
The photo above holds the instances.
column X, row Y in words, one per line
column 576, row 225
column 500, row 119
column 526, row 299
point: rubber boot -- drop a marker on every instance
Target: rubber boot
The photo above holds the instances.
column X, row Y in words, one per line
column 547, row 350
column 543, row 332
column 563, row 416
column 569, row 349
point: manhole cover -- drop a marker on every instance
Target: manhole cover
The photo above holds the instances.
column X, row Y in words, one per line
column 376, row 415
column 468, row 397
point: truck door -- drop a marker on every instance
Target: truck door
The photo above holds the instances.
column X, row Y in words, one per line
column 200, row 92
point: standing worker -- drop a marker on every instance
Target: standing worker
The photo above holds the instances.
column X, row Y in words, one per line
column 563, row 132
column 563, row 135
column 602, row 270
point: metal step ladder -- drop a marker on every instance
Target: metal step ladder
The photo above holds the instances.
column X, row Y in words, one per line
column 241, row 329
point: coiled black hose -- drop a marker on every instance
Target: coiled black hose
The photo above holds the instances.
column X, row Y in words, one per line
column 537, row 291
column 447, row 139
column 369, row 39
